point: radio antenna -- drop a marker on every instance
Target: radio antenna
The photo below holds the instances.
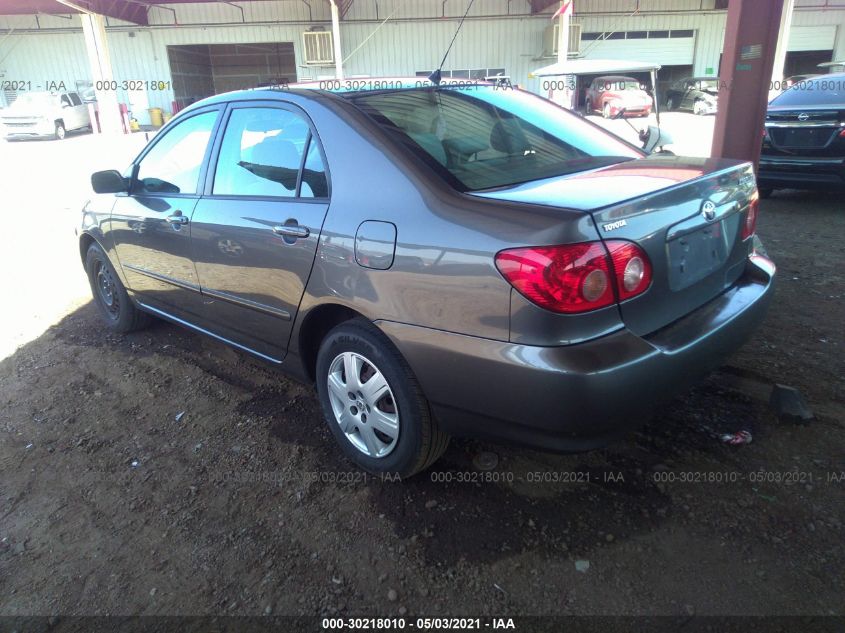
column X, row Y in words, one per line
column 435, row 76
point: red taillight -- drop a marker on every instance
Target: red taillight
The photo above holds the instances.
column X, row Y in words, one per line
column 750, row 225
column 570, row 278
column 632, row 268
column 576, row 278
column 842, row 133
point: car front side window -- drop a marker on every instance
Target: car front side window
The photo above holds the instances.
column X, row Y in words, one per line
column 173, row 164
column 74, row 98
column 262, row 153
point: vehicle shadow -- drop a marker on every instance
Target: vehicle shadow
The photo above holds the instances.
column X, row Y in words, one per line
column 529, row 501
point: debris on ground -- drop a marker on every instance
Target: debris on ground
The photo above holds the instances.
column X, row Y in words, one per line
column 582, row 566
column 737, row 438
column 789, row 405
column 179, row 415
column 485, row 460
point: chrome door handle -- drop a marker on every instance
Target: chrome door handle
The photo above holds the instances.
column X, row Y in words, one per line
column 295, row 230
column 177, row 219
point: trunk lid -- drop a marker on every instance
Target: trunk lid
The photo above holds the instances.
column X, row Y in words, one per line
column 659, row 203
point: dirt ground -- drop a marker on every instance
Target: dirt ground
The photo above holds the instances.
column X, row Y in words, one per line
column 163, row 473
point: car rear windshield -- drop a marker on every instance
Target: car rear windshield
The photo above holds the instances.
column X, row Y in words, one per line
column 486, row 137
column 818, row 91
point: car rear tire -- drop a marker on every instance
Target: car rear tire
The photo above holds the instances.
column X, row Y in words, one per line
column 60, row 131
column 110, row 295
column 588, row 106
column 765, row 193
column 373, row 404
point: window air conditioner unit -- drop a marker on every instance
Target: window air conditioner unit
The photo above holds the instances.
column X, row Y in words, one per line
column 318, row 47
column 551, row 39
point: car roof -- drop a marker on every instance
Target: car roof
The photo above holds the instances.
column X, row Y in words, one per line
column 326, row 89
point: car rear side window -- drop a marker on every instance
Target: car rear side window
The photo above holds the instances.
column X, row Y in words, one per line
column 487, row 137
column 261, row 154
column 173, row 164
column 314, row 181
column 817, row 91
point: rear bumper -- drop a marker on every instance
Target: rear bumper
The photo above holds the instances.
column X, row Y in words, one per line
column 630, row 111
column 583, row 396
column 801, row 173
column 27, row 127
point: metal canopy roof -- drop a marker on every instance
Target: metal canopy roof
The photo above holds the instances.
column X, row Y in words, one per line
column 593, row 67
column 128, row 10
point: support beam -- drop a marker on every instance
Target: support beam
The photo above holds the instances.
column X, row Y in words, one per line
column 93, row 29
column 780, row 54
column 338, row 55
column 750, row 41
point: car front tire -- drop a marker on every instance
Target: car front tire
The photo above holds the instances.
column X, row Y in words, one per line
column 373, row 404
column 606, row 111
column 60, row 131
column 670, row 103
column 113, row 302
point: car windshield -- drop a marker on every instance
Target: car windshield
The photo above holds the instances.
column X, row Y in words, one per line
column 36, row 99
column 487, row 137
column 819, row 91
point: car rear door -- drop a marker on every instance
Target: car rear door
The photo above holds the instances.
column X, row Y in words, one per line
column 255, row 230
column 150, row 225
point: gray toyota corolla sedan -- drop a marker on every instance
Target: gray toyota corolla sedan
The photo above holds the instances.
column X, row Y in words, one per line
column 454, row 260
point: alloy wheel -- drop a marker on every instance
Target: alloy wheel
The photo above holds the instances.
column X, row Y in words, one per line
column 363, row 404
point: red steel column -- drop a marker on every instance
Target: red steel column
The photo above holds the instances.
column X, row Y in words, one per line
column 751, row 36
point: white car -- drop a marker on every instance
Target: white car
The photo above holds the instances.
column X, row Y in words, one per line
column 45, row 114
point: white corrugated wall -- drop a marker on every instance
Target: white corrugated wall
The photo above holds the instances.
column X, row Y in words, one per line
column 413, row 40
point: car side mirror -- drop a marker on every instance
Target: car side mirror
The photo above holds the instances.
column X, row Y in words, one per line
column 656, row 138
column 109, row 181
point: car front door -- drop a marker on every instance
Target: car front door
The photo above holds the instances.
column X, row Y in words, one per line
column 151, row 226
column 255, row 231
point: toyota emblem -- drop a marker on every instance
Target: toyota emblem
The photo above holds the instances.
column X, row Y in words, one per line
column 708, row 210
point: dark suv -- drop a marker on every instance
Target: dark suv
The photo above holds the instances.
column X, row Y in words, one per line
column 804, row 137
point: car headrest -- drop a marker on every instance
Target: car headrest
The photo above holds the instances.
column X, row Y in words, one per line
column 509, row 138
column 275, row 151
